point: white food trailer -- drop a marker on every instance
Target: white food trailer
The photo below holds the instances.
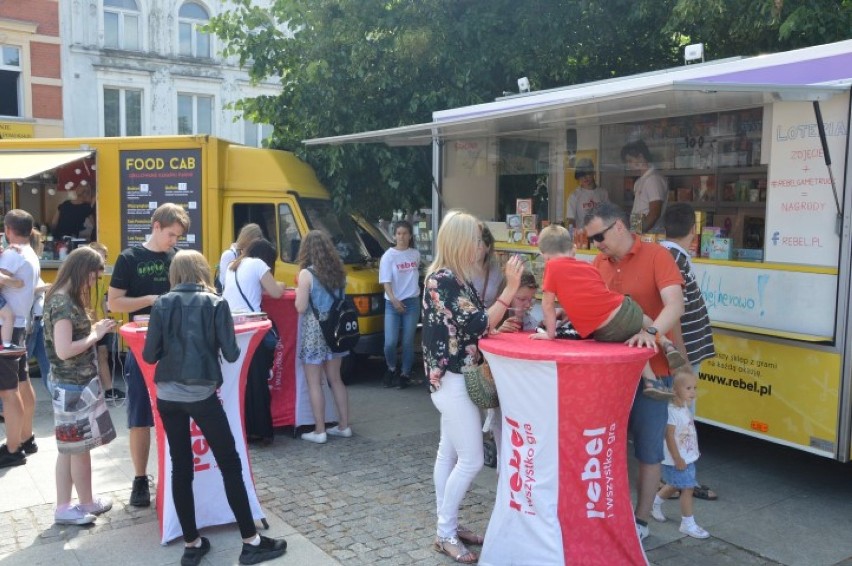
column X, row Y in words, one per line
column 740, row 140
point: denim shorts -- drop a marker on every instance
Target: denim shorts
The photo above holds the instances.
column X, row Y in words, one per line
column 647, row 424
column 681, row 479
column 139, row 412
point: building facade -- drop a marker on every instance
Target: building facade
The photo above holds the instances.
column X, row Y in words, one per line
column 30, row 70
column 145, row 67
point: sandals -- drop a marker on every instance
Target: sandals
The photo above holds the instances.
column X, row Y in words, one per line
column 455, row 549
column 657, row 390
column 674, row 357
column 699, row 492
column 467, row 536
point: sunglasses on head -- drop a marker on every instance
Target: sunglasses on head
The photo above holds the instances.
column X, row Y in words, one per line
column 599, row 237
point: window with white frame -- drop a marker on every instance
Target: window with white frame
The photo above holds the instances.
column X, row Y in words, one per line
column 122, row 112
column 195, row 114
column 121, row 24
column 192, row 41
column 255, row 134
column 10, row 81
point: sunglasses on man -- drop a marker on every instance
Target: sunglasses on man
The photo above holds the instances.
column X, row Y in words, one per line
column 599, row 237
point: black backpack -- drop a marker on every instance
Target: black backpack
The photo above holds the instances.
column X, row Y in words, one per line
column 340, row 329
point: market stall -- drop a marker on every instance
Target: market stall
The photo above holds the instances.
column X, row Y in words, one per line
column 211, row 505
column 563, row 495
column 759, row 147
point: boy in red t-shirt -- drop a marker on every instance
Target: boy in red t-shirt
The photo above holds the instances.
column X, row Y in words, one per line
column 593, row 309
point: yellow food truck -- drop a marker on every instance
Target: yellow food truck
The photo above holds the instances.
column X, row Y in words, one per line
column 739, row 139
column 222, row 186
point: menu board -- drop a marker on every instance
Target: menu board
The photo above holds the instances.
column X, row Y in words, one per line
column 801, row 212
column 153, row 177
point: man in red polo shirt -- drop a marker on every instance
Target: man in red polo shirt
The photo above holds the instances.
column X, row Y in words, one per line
column 649, row 275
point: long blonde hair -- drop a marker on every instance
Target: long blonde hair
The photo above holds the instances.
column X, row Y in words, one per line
column 248, row 234
column 189, row 266
column 455, row 248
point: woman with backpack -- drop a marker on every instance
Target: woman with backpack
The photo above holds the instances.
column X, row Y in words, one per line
column 322, row 279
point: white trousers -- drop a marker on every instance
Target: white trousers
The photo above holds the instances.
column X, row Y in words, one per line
column 460, row 452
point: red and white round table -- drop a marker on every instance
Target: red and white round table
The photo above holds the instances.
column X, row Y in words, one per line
column 563, row 495
column 211, row 504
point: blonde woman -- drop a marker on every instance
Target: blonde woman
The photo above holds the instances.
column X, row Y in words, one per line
column 454, row 319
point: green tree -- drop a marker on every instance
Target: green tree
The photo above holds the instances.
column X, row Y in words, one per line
column 348, row 66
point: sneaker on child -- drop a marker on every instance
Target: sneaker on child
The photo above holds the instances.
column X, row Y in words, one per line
column 315, row 437
column 98, row 505
column 114, row 393
column 267, row 549
column 693, row 530
column 72, row 515
column 642, row 530
column 336, row 431
column 192, row 555
column 657, row 513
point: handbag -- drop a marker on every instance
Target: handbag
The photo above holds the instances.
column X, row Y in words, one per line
column 340, row 327
column 271, row 338
column 480, row 385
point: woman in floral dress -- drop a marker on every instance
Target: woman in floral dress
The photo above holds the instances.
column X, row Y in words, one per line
column 454, row 319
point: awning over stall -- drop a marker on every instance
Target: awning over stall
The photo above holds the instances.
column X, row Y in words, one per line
column 20, row 165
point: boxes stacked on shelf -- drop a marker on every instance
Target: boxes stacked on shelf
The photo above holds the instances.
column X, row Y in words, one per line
column 523, row 225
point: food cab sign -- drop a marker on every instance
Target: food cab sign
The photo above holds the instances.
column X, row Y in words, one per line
column 153, row 177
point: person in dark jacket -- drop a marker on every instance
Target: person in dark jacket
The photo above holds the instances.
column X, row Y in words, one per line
column 188, row 329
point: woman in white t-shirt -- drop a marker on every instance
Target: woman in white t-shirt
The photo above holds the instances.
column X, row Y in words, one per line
column 247, row 279
column 399, row 271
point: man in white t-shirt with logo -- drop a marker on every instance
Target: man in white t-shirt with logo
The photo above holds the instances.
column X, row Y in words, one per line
column 650, row 191
column 587, row 196
column 399, row 271
column 16, row 391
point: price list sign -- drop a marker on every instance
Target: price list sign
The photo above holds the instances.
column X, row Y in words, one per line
column 150, row 178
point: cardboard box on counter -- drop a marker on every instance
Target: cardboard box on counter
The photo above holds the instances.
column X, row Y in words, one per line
column 721, row 248
column 707, row 235
column 745, row 254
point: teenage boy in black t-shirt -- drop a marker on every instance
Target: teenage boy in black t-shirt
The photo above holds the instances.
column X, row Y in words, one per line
column 141, row 274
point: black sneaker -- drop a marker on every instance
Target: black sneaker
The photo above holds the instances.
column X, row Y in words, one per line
column 114, row 393
column 268, row 549
column 9, row 459
column 404, row 382
column 140, row 496
column 192, row 556
column 389, row 379
column 29, row 446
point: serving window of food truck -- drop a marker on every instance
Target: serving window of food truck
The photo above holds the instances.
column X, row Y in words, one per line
column 738, row 140
column 58, row 188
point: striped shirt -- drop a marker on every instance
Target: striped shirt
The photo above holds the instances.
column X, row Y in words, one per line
column 695, row 322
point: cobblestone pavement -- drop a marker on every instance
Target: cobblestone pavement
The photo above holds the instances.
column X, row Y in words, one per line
column 363, row 500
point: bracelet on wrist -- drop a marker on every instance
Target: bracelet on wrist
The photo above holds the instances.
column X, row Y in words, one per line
column 502, row 302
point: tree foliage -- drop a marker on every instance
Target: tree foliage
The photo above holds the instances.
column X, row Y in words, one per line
column 348, row 66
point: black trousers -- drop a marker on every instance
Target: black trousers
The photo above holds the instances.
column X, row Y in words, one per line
column 211, row 419
column 258, row 413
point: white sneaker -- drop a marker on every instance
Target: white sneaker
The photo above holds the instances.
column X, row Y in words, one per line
column 73, row 515
column 336, row 431
column 642, row 531
column 657, row 514
column 694, row 531
column 315, row 437
column 97, row 506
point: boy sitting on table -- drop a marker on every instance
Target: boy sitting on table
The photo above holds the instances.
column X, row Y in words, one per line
column 594, row 309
